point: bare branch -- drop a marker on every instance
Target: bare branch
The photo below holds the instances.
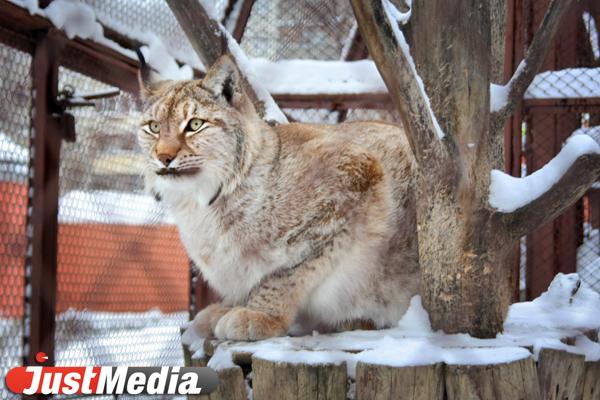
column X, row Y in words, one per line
column 573, row 184
column 210, row 40
column 399, row 75
column 529, row 67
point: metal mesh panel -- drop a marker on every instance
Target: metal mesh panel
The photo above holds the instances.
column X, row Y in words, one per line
column 15, row 108
column 299, row 29
column 123, row 276
column 571, row 242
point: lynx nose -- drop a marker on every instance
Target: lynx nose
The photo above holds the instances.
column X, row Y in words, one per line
column 165, row 158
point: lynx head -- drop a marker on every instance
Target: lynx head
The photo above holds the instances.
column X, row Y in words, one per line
column 197, row 134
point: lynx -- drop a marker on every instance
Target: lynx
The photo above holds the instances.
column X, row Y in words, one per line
column 296, row 226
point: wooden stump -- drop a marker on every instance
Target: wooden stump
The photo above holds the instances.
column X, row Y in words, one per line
column 379, row 382
column 561, row 375
column 591, row 384
column 516, row 380
column 287, row 381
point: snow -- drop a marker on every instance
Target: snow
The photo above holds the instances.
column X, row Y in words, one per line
column 394, row 17
column 498, row 97
column 590, row 26
column 318, row 77
column 110, row 207
column 508, row 193
column 222, row 359
column 79, row 20
column 565, row 83
column 499, row 93
column 567, row 309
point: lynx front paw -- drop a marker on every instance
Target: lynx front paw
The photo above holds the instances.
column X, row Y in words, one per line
column 245, row 324
column 206, row 320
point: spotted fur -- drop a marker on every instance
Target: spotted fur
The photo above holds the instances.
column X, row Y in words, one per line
column 298, row 226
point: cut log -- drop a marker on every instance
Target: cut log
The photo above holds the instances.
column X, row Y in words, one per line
column 591, row 385
column 505, row 381
column 287, row 381
column 231, row 386
column 378, row 382
column 561, row 374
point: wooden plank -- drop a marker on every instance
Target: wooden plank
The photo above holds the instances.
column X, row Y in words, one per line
column 286, row 381
column 506, row 381
column 242, row 21
column 379, row 382
column 561, row 374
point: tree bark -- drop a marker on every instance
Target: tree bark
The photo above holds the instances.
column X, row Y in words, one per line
column 561, row 374
column 277, row 380
column 507, row 381
column 464, row 245
column 382, row 382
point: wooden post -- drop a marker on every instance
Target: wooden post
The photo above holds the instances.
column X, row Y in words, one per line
column 379, row 382
column 286, row 381
column 506, row 381
column 561, row 374
column 591, row 382
column 41, row 265
column 231, row 386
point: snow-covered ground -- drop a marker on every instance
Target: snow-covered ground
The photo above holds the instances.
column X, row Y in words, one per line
column 100, row 338
column 567, row 309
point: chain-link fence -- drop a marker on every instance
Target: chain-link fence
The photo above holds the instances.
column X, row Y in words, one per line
column 123, row 277
column 559, row 103
column 15, row 100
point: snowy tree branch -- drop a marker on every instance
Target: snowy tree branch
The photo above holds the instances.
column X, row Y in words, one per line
column 530, row 202
column 505, row 99
column 210, row 40
column 378, row 24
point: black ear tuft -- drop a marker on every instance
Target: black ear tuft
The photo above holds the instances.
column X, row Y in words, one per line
column 228, row 89
column 223, row 79
column 148, row 78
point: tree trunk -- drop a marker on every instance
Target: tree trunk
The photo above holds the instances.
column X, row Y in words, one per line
column 462, row 252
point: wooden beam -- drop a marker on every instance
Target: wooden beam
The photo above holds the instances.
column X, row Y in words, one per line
column 242, row 21
column 334, row 101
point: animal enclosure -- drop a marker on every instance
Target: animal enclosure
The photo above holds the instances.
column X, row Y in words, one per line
column 91, row 267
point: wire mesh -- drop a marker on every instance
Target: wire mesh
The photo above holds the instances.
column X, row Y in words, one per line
column 15, row 106
column 312, row 29
column 123, row 276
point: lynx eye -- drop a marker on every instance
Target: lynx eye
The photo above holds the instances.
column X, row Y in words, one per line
column 154, row 127
column 194, row 126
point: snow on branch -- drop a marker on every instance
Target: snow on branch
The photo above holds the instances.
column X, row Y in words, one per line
column 210, row 40
column 540, row 197
column 378, row 23
column 505, row 98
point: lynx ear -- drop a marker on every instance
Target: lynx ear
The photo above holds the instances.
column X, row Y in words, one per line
column 149, row 80
column 223, row 79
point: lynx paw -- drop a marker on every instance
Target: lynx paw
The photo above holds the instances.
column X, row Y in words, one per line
column 245, row 324
column 206, row 320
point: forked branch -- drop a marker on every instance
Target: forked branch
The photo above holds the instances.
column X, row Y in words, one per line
column 390, row 52
column 210, row 40
column 532, row 63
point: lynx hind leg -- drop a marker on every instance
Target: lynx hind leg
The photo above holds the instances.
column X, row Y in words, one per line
column 206, row 320
column 272, row 306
